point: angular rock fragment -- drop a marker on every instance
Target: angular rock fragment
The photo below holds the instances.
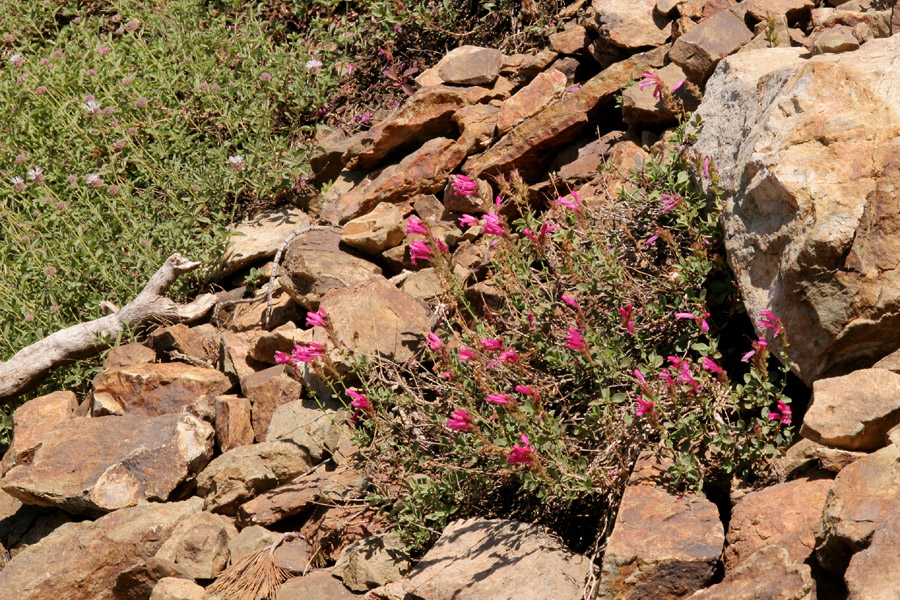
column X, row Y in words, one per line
column 767, row 573
column 32, row 421
column 631, row 23
column 699, row 51
column 372, row 562
column 199, row 544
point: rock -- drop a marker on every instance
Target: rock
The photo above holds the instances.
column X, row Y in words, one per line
column 662, row 546
column 153, row 389
column 424, row 171
column 318, row 585
column 251, row 316
column 863, row 497
column 777, row 37
column 641, row 108
column 246, row 471
column 807, row 455
column 631, row 23
column 82, row 561
column 137, row 582
column 854, row 412
column 572, row 40
column 794, row 10
column 807, row 171
column 568, row 66
column 531, row 144
column 372, row 562
column 199, row 544
column 311, row 428
column 99, row 465
column 377, row 231
column 835, row 39
column 233, row 425
column 470, row 65
column 234, row 356
column 282, row 339
column 544, row 89
column 479, row 202
column 783, row 515
column 699, row 51
column 180, row 339
column 374, row 317
column 172, row 588
column 32, row 421
column 258, row 237
column 250, row 540
column 665, row 7
column 490, row 559
column 872, row 574
column 314, row 264
column 423, row 285
column 767, row 573
column 326, row 157
column 478, row 124
column 294, row 556
column 267, row 390
column 332, row 528
column 583, row 159
column 127, row 355
column 532, row 65
column 704, row 9
column 425, row 115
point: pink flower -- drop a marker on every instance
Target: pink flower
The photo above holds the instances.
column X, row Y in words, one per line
column 574, row 340
column 501, row 399
column 669, row 201
column 640, row 376
column 746, row 357
column 414, row 225
column 652, row 239
column 317, row 319
column 463, row 186
column 574, row 204
column 626, row 313
column 360, row 401
column 521, row 454
column 103, row 50
column 709, row 364
column 141, row 102
column 492, row 344
column 492, row 224
column 459, row 420
column 643, row 407
column 509, row 356
column 570, row 301
column 667, row 378
column 468, row 220
column 527, row 233
column 465, row 354
column 419, row 250
column 524, row 389
column 705, row 170
column 434, row 342
column 684, row 315
column 655, row 81
column 132, row 25
column 770, row 321
column 783, row 415
column 282, row 358
column 306, row 354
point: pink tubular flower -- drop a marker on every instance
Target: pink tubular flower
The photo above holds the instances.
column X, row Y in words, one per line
column 643, row 407
column 468, row 220
column 770, row 321
column 521, row 454
column 626, row 313
column 669, row 201
column 574, row 203
column 459, row 420
column 667, row 378
column 524, row 389
column 492, row 224
column 640, row 376
column 282, row 358
column 509, row 356
column 570, row 301
column 709, row 364
column 465, row 354
column 654, row 80
column 575, row 341
column 419, row 250
column 783, row 415
column 652, row 239
column 434, row 342
column 492, row 344
column 307, row 354
column 705, row 167
column 317, row 319
column 527, row 233
column 463, row 186
column 501, row 399
column 414, row 225
column 360, row 401
column 684, row 315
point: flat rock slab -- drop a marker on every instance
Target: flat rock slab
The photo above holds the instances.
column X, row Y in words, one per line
column 106, row 463
column 494, row 559
column 631, row 23
column 863, row 497
column 470, row 65
column 767, row 573
column 256, row 238
column 854, row 412
column 31, row 421
column 374, row 561
column 318, row 585
column 82, row 561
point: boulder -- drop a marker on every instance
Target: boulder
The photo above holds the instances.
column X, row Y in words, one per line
column 128, row 354
column 103, row 464
column 631, row 23
column 834, row 40
column 199, row 544
column 544, row 89
column 153, row 389
column 178, row 339
column 246, row 471
column 809, row 168
column 173, row 588
column 571, row 40
column 315, row 263
column 137, row 582
column 699, row 51
column 470, row 65
column 767, row 573
column 82, row 561
column 493, row 559
column 855, row 411
column 872, row 574
column 316, row 430
column 320, row 585
column 662, row 546
column 267, row 390
column 32, row 421
column 377, row 231
column 783, row 515
column 233, row 423
column 255, row 238
column 372, row 562
column 863, row 497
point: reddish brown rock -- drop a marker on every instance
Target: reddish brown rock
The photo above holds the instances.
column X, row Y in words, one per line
column 267, row 390
column 425, row 115
column 377, row 231
column 332, row 528
column 872, row 574
column 700, row 50
column 531, row 99
column 470, row 65
column 179, row 339
column 863, row 497
column 374, row 561
column 833, row 40
column 641, row 107
column 424, row 171
column 794, row 10
column 477, row 203
column 32, row 421
column 783, row 515
column 159, row 388
column 137, row 582
column 572, row 40
column 199, row 544
column 234, row 351
column 174, row 588
column 768, row 573
column 251, row 316
column 282, row 339
column 704, row 9
column 320, row 584
column 129, row 354
column 478, row 124
column 662, row 546
column 315, row 263
column 102, row 464
column 233, row 424
column 83, row 561
column 854, row 412
column 530, row 144
column 631, row 23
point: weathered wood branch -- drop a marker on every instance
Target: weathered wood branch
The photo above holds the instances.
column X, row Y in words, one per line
column 29, row 365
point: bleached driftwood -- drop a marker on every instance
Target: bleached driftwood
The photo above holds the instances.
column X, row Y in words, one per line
column 29, row 365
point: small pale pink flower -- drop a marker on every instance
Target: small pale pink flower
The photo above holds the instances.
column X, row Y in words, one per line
column 465, row 354
column 468, row 220
column 132, row 25
column 141, row 102
column 434, row 342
